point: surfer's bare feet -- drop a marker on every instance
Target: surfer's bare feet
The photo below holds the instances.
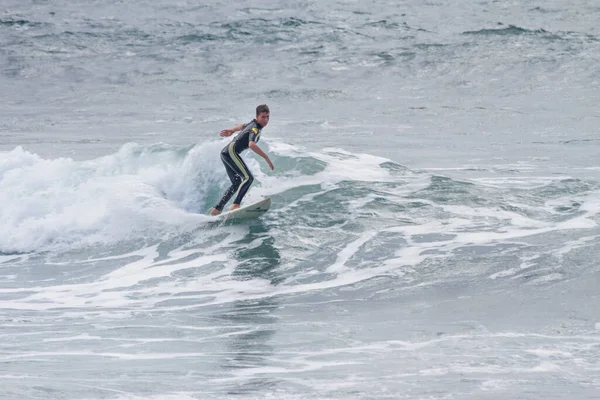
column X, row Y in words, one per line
column 214, row 211
column 234, row 207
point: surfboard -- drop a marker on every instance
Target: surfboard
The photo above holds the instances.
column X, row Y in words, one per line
column 246, row 212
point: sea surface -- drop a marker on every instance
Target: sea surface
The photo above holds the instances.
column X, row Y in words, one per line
column 435, row 227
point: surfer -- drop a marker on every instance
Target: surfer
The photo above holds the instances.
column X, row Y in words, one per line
column 238, row 172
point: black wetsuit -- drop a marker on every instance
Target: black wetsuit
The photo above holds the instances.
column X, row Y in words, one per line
column 236, row 168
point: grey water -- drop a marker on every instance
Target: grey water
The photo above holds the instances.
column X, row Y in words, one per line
column 434, row 230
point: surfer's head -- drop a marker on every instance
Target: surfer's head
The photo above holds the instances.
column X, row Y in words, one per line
column 262, row 115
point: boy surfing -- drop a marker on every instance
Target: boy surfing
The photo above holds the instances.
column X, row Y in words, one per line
column 236, row 168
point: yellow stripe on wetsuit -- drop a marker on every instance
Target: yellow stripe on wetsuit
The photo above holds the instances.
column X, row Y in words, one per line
column 240, row 164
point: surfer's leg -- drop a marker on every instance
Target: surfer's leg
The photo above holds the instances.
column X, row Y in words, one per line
column 244, row 172
column 226, row 196
column 243, row 189
column 235, row 183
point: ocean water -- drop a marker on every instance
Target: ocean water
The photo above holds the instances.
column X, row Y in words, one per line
column 434, row 232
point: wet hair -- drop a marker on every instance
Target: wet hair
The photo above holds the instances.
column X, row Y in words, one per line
column 261, row 109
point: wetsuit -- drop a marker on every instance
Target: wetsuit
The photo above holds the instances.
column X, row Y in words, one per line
column 236, row 168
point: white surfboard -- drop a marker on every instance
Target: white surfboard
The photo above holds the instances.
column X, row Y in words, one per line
column 246, row 212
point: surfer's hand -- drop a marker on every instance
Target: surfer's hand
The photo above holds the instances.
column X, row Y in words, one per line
column 270, row 164
column 226, row 132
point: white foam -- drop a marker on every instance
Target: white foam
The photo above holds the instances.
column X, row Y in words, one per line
column 497, row 384
column 569, row 246
column 434, row 372
column 544, row 366
column 169, row 396
column 515, row 182
column 49, row 203
column 548, row 353
column 349, row 250
column 504, row 274
column 120, row 356
column 83, row 336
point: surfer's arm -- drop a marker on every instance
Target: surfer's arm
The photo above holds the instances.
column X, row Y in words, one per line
column 229, row 132
column 254, row 147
